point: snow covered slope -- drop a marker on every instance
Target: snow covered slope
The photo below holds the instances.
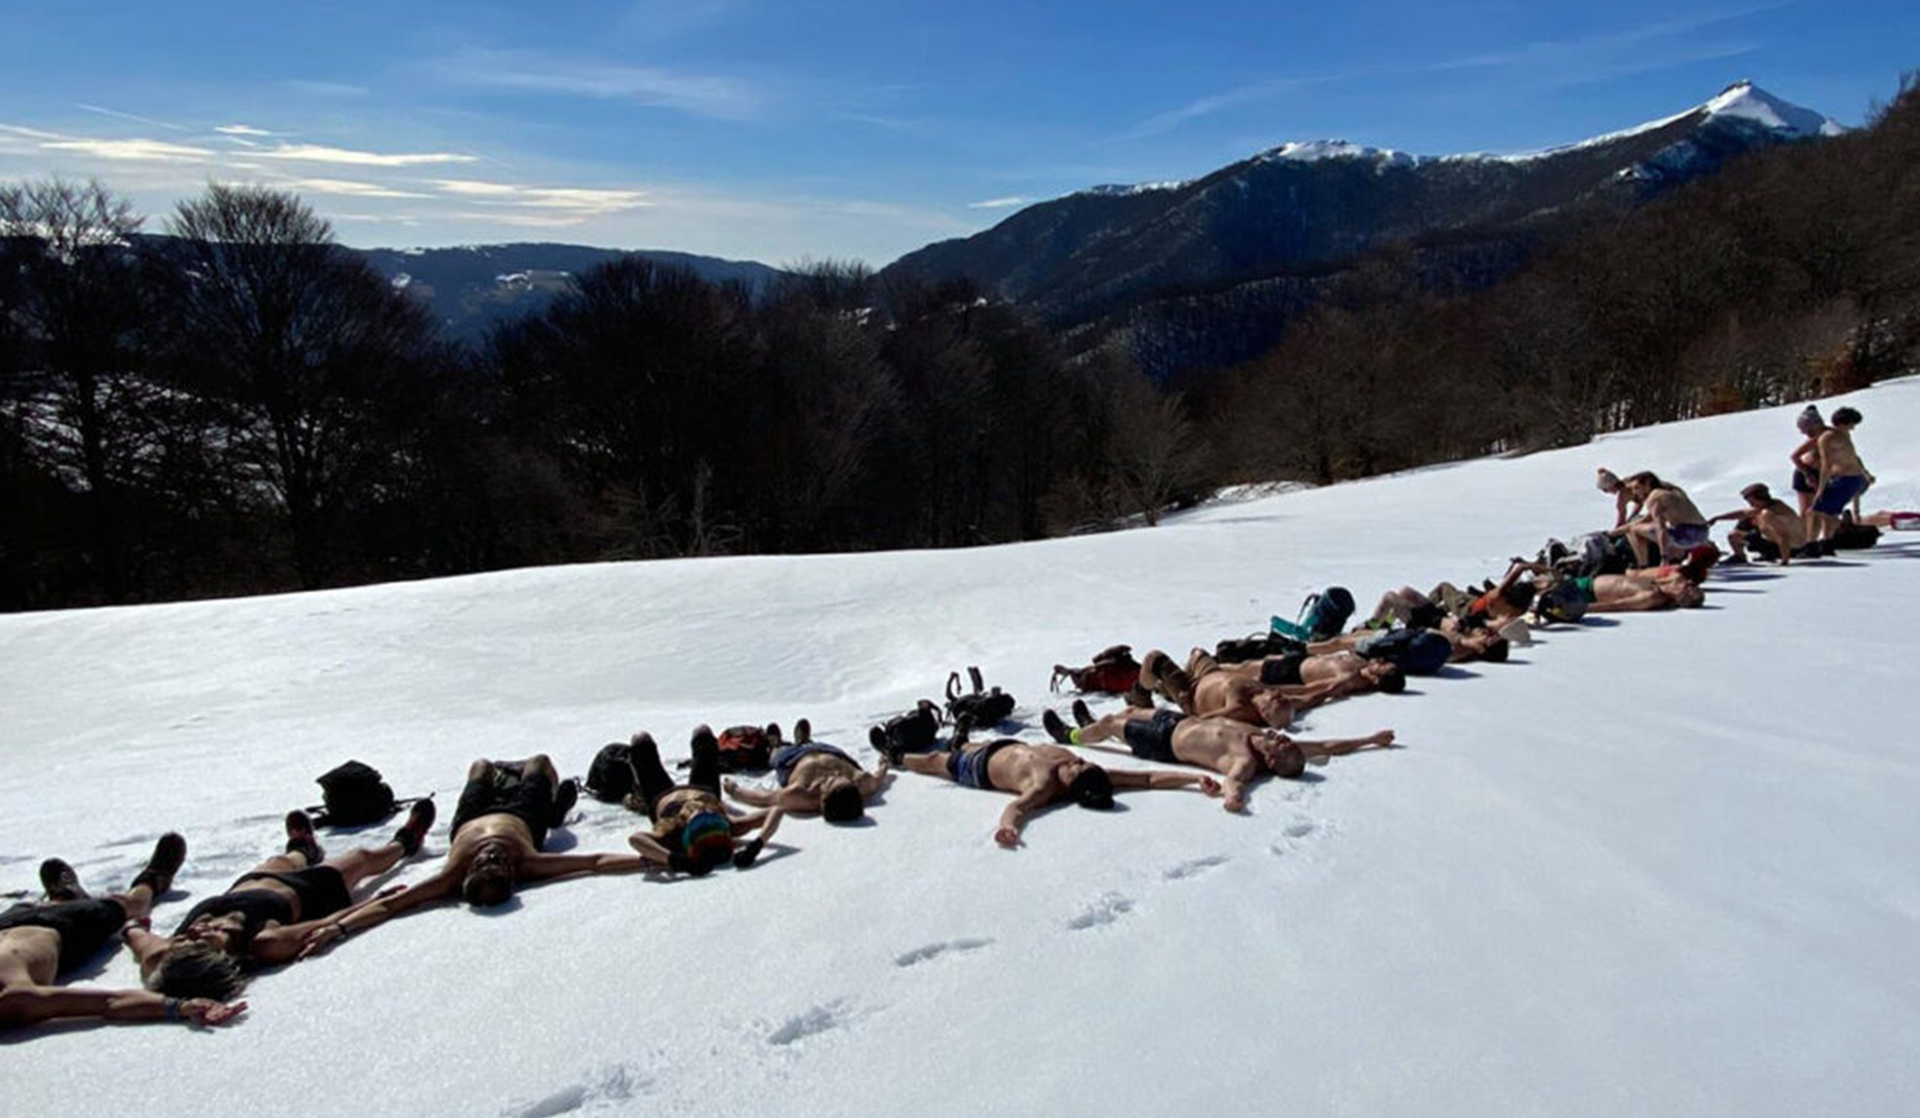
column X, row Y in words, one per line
column 1657, row 865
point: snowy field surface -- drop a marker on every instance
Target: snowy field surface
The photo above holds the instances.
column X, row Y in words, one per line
column 1656, row 865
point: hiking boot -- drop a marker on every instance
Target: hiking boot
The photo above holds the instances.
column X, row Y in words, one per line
column 1082, row 717
column 60, row 882
column 564, row 797
column 1056, row 729
column 414, row 831
column 1139, row 698
column 301, row 839
column 169, row 854
column 802, row 732
column 773, row 734
column 962, row 730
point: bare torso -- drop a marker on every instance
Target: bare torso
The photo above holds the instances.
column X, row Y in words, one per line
column 1227, row 695
column 1671, row 507
column 29, row 957
column 1022, row 767
column 1838, row 454
column 814, row 770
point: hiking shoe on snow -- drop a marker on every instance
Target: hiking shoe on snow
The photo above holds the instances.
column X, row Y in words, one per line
column 169, row 854
column 1056, row 729
column 564, row 797
column 301, row 839
column 414, row 831
column 1082, row 716
column 802, row 732
column 59, row 881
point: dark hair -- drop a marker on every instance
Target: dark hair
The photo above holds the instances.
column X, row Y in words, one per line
column 1092, row 788
column 843, row 805
column 1520, row 594
column 486, row 886
column 198, row 970
column 1846, row 416
column 1758, row 491
column 1393, row 681
column 1496, row 651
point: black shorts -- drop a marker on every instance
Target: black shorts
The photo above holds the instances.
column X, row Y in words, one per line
column 1152, row 739
column 1805, row 481
column 1282, row 671
column 321, row 889
column 84, row 926
column 527, row 797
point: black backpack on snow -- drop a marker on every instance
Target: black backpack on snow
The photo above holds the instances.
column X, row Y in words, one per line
column 977, row 707
column 1564, row 602
column 912, row 732
column 1413, row 651
column 353, row 794
column 1259, row 646
column 610, row 777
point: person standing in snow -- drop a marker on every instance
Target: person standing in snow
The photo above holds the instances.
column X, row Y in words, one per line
column 1230, row 747
column 1806, row 462
column 499, row 829
column 264, row 917
column 39, row 941
column 813, row 777
column 1039, row 776
column 693, row 831
column 1842, row 477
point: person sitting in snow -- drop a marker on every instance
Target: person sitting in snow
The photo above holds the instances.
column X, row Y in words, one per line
column 693, row 829
column 1038, row 776
column 1668, row 519
column 815, row 777
column 263, row 918
column 1230, row 747
column 42, row 940
column 499, row 829
column 1767, row 525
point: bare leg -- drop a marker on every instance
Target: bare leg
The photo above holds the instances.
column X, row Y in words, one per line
column 359, row 864
column 1113, row 725
column 1638, row 543
column 927, row 764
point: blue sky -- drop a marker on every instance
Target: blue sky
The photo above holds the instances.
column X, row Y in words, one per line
column 851, row 129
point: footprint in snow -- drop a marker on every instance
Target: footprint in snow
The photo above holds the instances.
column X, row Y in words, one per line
column 816, row 1020
column 1110, row 907
column 611, row 1085
column 934, row 950
column 1192, row 867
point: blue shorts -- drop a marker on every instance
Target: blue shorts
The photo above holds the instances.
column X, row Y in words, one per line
column 1840, row 493
column 1681, row 537
column 969, row 766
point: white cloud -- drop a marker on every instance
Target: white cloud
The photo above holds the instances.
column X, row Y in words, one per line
column 531, row 221
column 31, row 133
column 473, row 187
column 318, row 153
column 581, row 201
column 713, row 96
column 354, row 189
column 999, row 203
column 152, row 151
column 242, row 130
column 136, row 118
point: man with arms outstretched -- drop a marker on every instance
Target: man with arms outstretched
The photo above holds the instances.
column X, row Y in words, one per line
column 814, row 777
column 1038, row 776
column 1235, row 750
column 41, row 941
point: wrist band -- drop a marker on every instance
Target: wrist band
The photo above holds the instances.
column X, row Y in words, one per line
column 345, row 932
column 173, row 1009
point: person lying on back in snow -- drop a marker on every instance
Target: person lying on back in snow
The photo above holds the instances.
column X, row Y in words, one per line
column 1768, row 526
column 499, row 830
column 1230, row 747
column 1302, row 679
column 815, row 777
column 40, row 941
column 1039, row 775
column 265, row 915
column 1668, row 519
column 1651, row 589
column 1470, row 640
column 693, row 829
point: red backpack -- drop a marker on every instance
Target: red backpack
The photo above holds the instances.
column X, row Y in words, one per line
column 1114, row 671
column 748, row 748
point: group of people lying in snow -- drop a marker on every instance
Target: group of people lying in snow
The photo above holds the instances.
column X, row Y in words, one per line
column 1231, row 709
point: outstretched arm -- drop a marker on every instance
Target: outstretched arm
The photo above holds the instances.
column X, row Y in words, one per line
column 546, row 867
column 1015, row 816
column 375, row 911
column 1163, row 779
column 25, row 1005
column 756, row 797
column 871, row 783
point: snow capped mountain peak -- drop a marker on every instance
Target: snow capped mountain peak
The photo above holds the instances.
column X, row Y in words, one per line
column 1311, row 151
column 1747, row 101
column 1124, row 189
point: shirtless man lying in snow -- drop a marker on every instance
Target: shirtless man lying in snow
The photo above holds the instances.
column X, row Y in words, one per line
column 1302, row 679
column 814, row 776
column 1236, row 751
column 1040, row 775
column 39, row 941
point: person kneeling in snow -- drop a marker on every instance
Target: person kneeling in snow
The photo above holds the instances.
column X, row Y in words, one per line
column 40, row 941
column 1039, row 775
column 693, row 831
column 264, row 917
column 813, row 777
column 1228, row 746
column 1769, row 526
column 498, row 831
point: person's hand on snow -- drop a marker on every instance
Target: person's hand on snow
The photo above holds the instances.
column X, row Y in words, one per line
column 1007, row 837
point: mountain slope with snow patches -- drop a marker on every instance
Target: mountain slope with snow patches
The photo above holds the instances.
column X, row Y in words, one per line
column 1657, row 865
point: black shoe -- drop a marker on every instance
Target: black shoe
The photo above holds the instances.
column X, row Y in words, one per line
column 773, row 734
column 301, row 840
column 414, row 831
column 169, row 854
column 1056, row 729
column 962, row 730
column 564, row 797
column 883, row 745
column 1081, row 715
column 1139, row 698
column 60, row 882
column 802, row 732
